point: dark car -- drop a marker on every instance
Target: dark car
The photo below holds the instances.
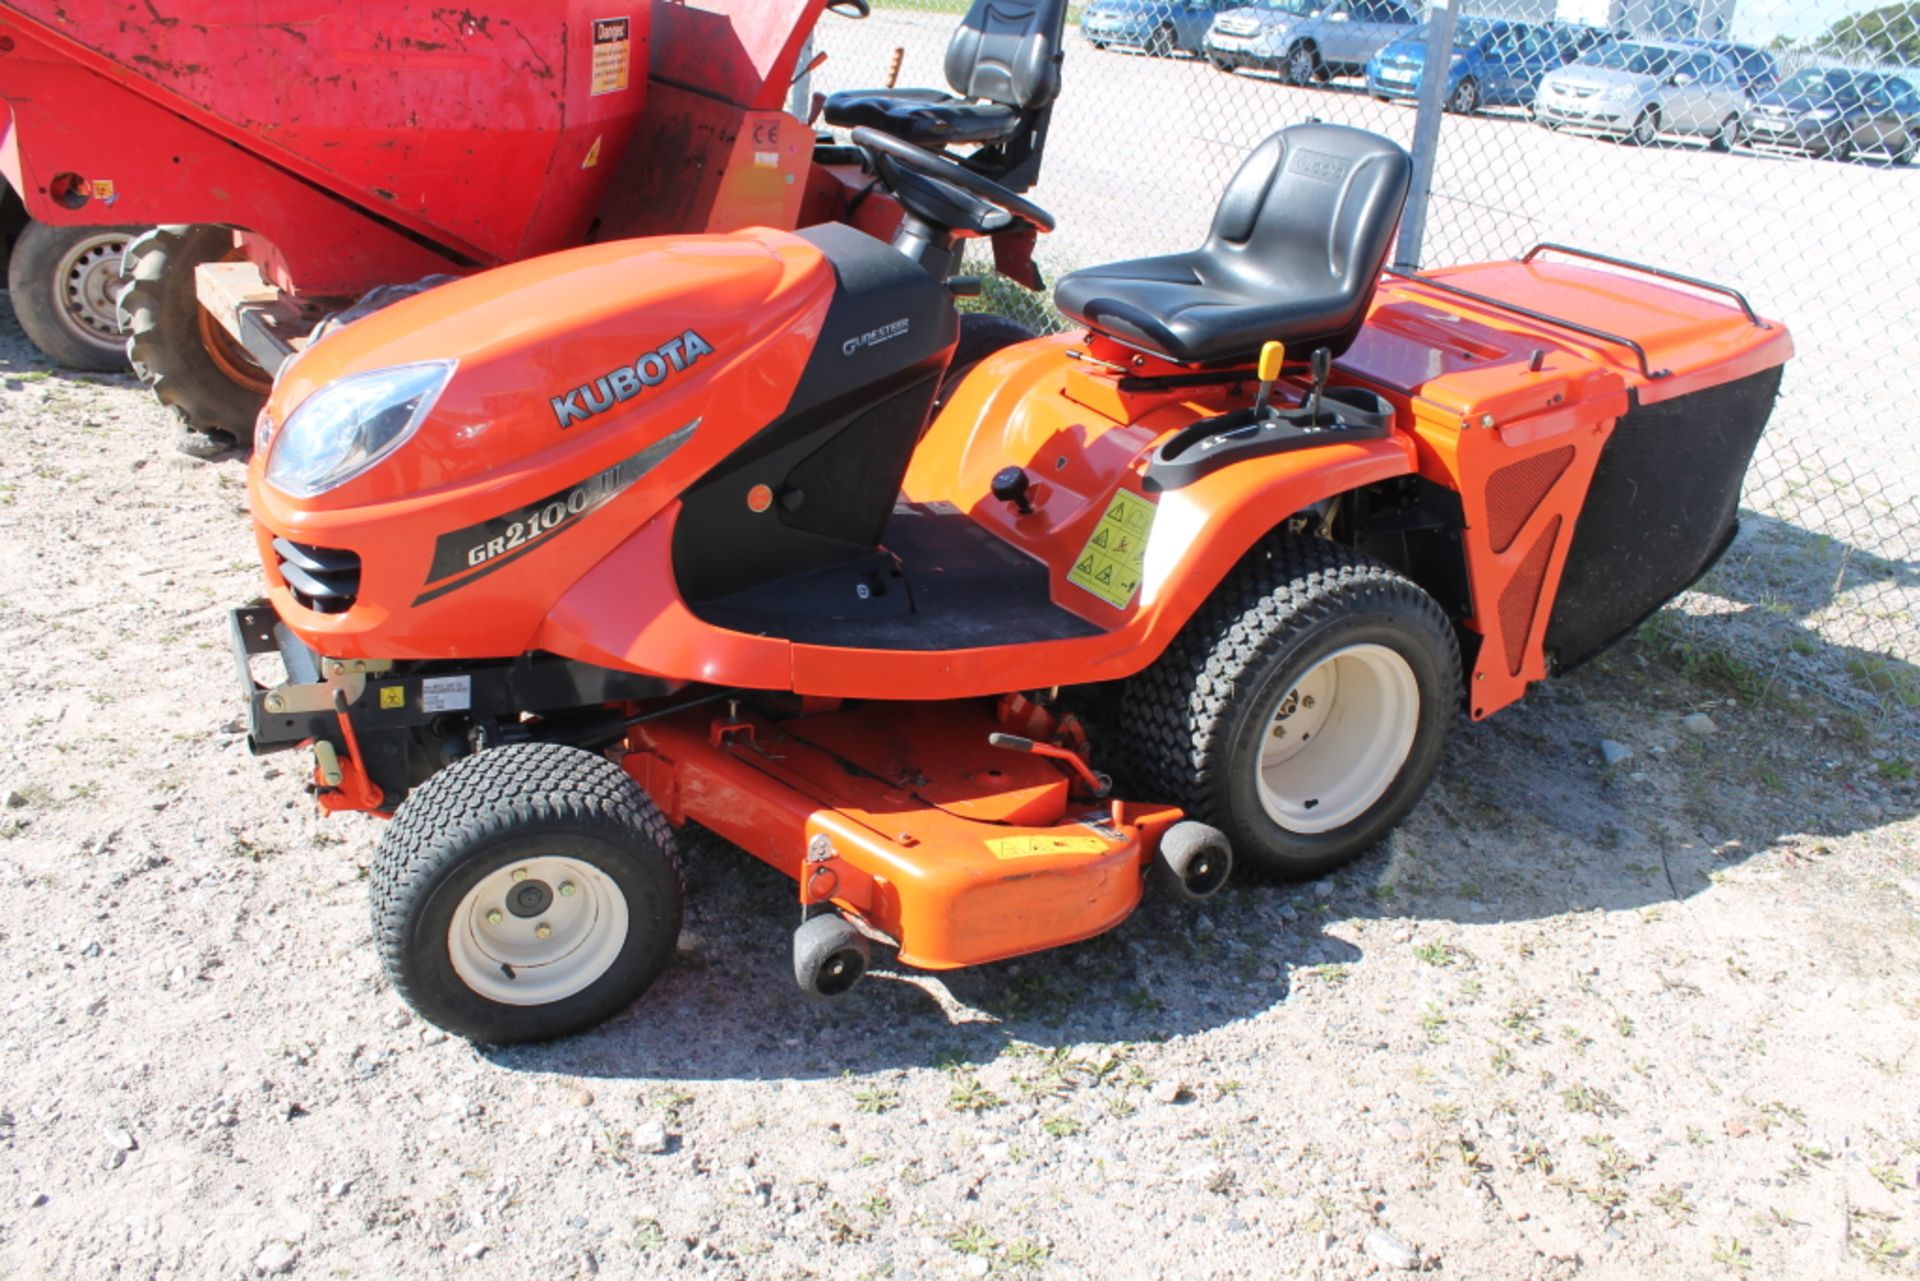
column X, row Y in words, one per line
column 1160, row 27
column 1756, row 68
column 1836, row 112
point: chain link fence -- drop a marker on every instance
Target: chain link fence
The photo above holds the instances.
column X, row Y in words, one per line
column 1764, row 144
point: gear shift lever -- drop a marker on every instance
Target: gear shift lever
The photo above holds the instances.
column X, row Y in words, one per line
column 1322, row 362
column 1272, row 356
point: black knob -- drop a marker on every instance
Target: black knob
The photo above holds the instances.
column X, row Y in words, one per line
column 1010, row 485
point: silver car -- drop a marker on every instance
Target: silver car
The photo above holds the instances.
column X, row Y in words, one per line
column 1640, row 89
column 1308, row 39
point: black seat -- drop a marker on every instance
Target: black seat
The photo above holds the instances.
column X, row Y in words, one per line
column 1295, row 254
column 1004, row 66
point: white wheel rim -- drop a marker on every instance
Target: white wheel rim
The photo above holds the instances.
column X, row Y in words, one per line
column 496, row 943
column 1338, row 739
column 84, row 286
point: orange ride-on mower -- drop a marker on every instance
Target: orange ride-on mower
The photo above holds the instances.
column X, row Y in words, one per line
column 699, row 529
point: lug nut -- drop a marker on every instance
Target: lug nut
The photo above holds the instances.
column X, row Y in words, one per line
column 566, row 889
column 494, row 917
column 542, row 930
column 519, row 873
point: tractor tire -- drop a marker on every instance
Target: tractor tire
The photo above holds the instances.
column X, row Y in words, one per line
column 63, row 281
column 497, row 846
column 213, row 389
column 1226, row 721
column 981, row 334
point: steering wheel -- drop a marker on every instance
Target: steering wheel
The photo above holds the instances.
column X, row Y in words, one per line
column 953, row 174
column 851, row 8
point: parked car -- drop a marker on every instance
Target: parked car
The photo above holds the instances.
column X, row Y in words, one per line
column 1756, row 68
column 1495, row 63
column 1308, row 39
column 1160, row 27
column 1837, row 112
column 1640, row 89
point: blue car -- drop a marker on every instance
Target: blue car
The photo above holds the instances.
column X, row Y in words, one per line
column 1495, row 63
column 1160, row 27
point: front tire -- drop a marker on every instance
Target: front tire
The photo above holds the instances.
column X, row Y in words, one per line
column 1303, row 66
column 525, row 893
column 206, row 380
column 1837, row 144
column 1161, row 43
column 1466, row 98
column 63, row 281
column 1727, row 137
column 1646, row 128
column 1303, row 709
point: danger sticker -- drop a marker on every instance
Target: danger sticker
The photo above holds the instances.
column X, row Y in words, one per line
column 1006, row 847
column 612, row 54
column 1109, row 565
column 446, row 693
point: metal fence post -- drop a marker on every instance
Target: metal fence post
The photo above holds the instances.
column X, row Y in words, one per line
column 1441, row 23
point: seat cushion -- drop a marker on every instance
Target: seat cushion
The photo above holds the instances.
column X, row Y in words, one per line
column 925, row 117
column 1294, row 256
column 1168, row 307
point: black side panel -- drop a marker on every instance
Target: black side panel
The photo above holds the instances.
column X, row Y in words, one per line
column 1661, row 511
column 834, row 460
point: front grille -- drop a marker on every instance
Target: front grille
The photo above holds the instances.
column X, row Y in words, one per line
column 324, row 580
column 1237, row 26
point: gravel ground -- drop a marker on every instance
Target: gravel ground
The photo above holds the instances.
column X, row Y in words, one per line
column 1651, row 1018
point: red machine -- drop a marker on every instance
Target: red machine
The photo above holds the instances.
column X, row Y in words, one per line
column 298, row 156
column 711, row 529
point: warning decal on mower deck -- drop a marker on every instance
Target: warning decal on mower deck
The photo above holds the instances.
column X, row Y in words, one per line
column 1038, row 846
column 612, row 55
column 1109, row 565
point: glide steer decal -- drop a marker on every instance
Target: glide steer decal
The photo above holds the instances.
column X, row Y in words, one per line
column 477, row 550
column 649, row 369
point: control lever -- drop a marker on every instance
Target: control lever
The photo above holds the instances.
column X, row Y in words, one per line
column 1322, row 362
column 1272, row 356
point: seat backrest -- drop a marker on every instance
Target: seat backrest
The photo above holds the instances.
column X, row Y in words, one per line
column 1008, row 51
column 1314, row 206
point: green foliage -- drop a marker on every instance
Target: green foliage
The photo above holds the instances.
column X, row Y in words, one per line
column 1890, row 33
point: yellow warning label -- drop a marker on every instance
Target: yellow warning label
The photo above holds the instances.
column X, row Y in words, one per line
column 593, row 154
column 612, row 54
column 1109, row 565
column 392, row 696
column 1037, row 846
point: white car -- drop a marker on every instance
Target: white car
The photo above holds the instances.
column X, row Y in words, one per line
column 1640, row 89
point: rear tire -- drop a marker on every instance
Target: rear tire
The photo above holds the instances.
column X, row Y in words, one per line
column 207, row 382
column 1837, row 145
column 1908, row 149
column 981, row 334
column 63, row 281
column 447, row 908
column 1215, row 714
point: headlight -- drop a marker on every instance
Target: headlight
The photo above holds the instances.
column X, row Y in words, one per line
column 1458, row 60
column 349, row 425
